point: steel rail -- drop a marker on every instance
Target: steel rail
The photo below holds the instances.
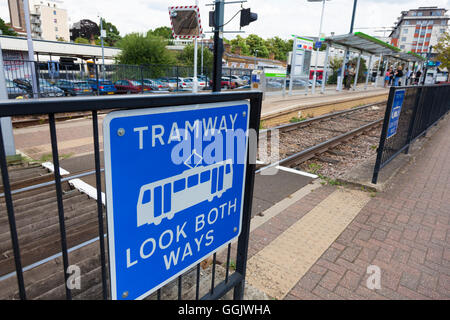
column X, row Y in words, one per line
column 300, row 124
column 311, row 152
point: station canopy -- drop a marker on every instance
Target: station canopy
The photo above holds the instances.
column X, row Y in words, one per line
column 364, row 43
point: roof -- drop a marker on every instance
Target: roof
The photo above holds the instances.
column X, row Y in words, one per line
column 364, row 43
column 58, row 48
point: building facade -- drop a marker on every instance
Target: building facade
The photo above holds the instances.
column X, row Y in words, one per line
column 416, row 30
column 48, row 21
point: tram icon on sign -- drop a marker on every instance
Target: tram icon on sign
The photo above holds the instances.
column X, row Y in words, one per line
column 164, row 198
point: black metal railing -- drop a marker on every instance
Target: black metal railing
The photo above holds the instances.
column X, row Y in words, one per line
column 422, row 107
column 233, row 280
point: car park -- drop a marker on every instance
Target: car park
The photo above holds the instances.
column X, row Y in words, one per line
column 14, row 91
column 201, row 82
column 238, row 80
column 104, row 86
column 156, row 85
column 225, row 83
column 46, row 89
column 74, row 87
column 130, row 86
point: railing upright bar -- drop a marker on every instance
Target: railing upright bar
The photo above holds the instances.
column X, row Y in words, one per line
column 227, row 271
column 59, row 198
column 213, row 273
column 98, row 180
column 242, row 246
column 11, row 218
column 377, row 167
column 197, row 283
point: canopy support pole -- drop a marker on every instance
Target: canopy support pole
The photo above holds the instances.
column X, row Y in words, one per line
column 344, row 61
column 358, row 64
column 325, row 69
column 369, row 69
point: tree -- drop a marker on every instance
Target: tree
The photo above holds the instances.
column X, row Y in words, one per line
column 112, row 33
column 85, row 29
column 335, row 64
column 81, row 40
column 279, row 47
column 186, row 57
column 6, row 30
column 443, row 50
column 240, row 42
column 138, row 48
column 163, row 32
column 257, row 45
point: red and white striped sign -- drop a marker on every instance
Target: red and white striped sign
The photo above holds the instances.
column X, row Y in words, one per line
column 186, row 8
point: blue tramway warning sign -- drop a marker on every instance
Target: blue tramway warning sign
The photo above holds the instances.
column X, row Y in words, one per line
column 175, row 180
column 397, row 104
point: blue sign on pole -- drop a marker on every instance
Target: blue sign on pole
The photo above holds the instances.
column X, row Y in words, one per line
column 396, row 110
column 175, row 180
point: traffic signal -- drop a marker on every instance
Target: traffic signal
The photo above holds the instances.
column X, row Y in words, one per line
column 247, row 17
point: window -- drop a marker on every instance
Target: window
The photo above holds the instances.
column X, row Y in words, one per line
column 54, row 12
column 442, row 31
column 193, row 181
column 56, row 28
column 402, row 47
column 228, row 168
column 443, row 22
column 403, row 39
column 179, row 185
column 147, row 197
column 419, row 14
column 405, row 30
column 205, row 176
column 406, row 22
column 55, row 20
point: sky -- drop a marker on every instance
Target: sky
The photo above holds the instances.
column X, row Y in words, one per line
column 275, row 17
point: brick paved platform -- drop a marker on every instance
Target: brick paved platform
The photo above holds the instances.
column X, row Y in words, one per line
column 405, row 231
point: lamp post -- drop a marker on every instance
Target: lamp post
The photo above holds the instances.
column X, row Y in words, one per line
column 195, row 80
column 313, row 89
column 34, row 83
column 102, row 35
column 355, row 2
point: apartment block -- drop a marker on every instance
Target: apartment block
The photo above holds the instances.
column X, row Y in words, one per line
column 416, row 30
column 47, row 19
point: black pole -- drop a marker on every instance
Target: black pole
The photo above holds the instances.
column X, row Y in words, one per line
column 355, row 2
column 426, row 65
column 218, row 45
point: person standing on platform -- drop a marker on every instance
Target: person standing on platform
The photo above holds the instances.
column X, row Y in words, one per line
column 387, row 77
column 418, row 74
column 397, row 76
column 408, row 77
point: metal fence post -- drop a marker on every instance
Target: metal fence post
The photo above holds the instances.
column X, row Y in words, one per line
column 376, row 169
column 141, row 69
column 413, row 118
column 96, row 78
column 242, row 248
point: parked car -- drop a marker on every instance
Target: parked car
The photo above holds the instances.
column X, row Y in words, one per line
column 46, row 89
column 130, row 86
column 14, row 91
column 156, row 85
column 166, row 82
column 201, row 82
column 239, row 81
column 74, row 87
column 104, row 86
column 225, row 83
